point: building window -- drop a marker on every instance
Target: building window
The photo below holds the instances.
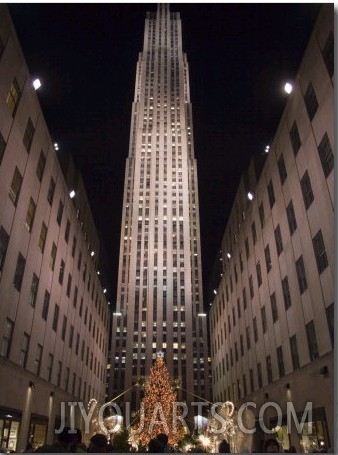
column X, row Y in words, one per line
column 14, row 190
column 259, row 375
column 69, row 284
column 19, row 272
column 274, row 310
column 279, row 242
column 306, row 190
column 282, row 169
column 52, row 257
column 326, row 155
column 328, row 54
column 295, row 139
column 4, row 239
column 50, row 367
column 34, row 290
column 320, row 253
column 244, row 298
column 301, row 275
column 247, row 251
column 291, row 218
column 259, row 273
column 75, row 297
column 45, row 306
column 62, row 271
column 271, row 194
column 311, row 102
column 13, row 97
column 261, row 214
column 24, row 350
column 251, row 287
column 40, row 169
column 60, row 212
column 312, row 340
column 2, row 147
column 7, row 338
column 56, row 317
column 252, row 384
column 51, row 190
column 74, row 246
column 71, row 336
column 263, row 316
column 269, row 368
column 280, row 361
column 42, row 238
column 64, row 328
column 330, row 321
column 254, row 233
column 267, row 258
column 286, row 292
column 67, row 231
column 248, row 341
column 38, row 359
column 255, row 329
column 294, row 352
column 30, row 215
column 29, row 134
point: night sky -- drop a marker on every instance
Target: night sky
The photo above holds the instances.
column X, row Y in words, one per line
column 239, row 57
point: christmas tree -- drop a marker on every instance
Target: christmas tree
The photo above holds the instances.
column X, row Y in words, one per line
column 159, row 412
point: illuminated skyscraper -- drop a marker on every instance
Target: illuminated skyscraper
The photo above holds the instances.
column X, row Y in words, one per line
column 159, row 297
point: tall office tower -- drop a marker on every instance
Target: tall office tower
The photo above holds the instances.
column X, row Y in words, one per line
column 159, row 297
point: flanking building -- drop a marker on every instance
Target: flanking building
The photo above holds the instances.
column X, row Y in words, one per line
column 272, row 313
column 53, row 312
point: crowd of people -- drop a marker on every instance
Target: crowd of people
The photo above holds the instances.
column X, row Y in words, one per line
column 70, row 441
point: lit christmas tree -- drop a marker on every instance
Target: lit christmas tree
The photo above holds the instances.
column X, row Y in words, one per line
column 158, row 406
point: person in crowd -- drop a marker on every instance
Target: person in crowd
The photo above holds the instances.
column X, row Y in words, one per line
column 155, row 446
column 271, row 446
column 64, row 442
column 224, row 447
column 98, row 444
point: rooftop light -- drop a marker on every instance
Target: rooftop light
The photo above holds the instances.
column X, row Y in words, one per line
column 250, row 196
column 36, row 84
column 72, row 194
column 288, row 88
column 229, row 255
column 92, row 253
column 267, row 149
column 56, row 146
column 104, row 290
column 215, row 292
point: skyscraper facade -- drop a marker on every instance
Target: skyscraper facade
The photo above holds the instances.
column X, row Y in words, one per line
column 159, row 297
column 53, row 312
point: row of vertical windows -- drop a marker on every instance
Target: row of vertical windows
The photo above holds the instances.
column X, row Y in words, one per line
column 322, row 263
column 312, row 350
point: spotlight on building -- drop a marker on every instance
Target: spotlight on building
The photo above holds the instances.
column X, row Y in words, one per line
column 250, row 196
column 92, row 253
column 288, row 88
column 72, row 194
column 215, row 292
column 229, row 255
column 56, row 146
column 36, row 84
column 104, row 290
column 267, row 149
